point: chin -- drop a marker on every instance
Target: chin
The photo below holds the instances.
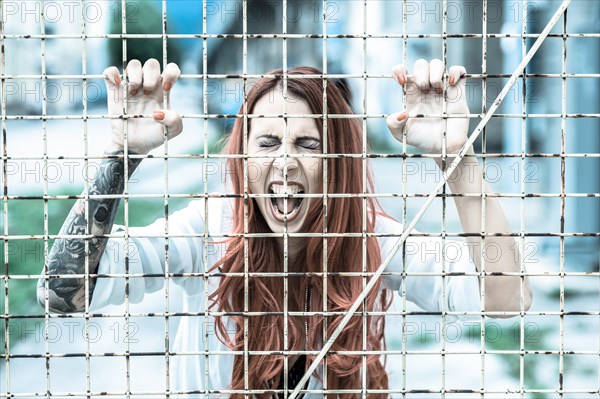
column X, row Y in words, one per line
column 291, row 227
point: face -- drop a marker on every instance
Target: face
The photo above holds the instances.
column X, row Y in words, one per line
column 267, row 174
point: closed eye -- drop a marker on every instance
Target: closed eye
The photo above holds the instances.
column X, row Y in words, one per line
column 311, row 145
column 308, row 146
column 268, row 141
column 268, row 144
column 272, row 141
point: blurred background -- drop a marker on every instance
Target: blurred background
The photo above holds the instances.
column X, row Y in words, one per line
column 43, row 155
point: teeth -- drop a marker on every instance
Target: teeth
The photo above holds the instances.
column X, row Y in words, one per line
column 279, row 189
column 293, row 204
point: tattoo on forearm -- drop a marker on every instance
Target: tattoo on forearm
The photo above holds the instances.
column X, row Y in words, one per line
column 67, row 255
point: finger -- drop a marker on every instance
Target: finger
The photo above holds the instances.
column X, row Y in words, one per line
column 170, row 119
column 455, row 92
column 436, row 74
column 400, row 72
column 455, row 73
column 151, row 79
column 113, row 85
column 396, row 121
column 134, row 76
column 170, row 76
column 112, row 77
column 421, row 73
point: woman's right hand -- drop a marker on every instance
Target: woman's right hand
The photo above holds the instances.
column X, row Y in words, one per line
column 146, row 87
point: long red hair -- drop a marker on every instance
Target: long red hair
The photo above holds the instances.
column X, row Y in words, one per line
column 344, row 254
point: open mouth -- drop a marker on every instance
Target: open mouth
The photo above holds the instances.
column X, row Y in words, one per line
column 278, row 206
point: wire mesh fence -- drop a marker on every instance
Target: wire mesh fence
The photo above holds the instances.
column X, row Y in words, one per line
column 151, row 332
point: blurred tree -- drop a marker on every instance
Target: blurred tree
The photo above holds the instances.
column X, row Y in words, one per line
column 142, row 17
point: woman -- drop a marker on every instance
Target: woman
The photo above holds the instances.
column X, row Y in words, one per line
column 281, row 163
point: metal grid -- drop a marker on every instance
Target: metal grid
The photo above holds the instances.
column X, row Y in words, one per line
column 206, row 116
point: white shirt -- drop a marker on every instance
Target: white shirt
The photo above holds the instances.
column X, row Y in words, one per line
column 186, row 255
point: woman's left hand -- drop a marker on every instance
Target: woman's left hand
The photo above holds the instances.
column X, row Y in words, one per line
column 424, row 95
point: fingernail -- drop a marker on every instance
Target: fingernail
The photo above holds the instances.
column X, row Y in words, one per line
column 133, row 92
column 147, row 92
column 401, row 117
column 401, row 80
column 167, row 86
column 159, row 115
column 118, row 80
column 451, row 80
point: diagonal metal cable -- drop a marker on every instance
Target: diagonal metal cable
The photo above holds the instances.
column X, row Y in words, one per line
column 431, row 197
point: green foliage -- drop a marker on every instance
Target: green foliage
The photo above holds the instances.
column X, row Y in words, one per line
column 26, row 257
column 500, row 335
column 20, row 257
column 142, row 17
column 535, row 338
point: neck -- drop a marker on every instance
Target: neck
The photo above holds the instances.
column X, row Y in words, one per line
column 294, row 246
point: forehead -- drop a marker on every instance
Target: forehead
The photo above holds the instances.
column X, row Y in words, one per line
column 271, row 104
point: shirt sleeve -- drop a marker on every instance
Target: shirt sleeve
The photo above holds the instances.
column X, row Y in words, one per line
column 426, row 259
column 147, row 252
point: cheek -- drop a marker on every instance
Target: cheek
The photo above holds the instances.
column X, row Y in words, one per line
column 257, row 172
column 314, row 173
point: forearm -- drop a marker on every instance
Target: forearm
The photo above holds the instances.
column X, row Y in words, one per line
column 68, row 255
column 500, row 253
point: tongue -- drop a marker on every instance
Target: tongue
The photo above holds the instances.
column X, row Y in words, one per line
column 291, row 202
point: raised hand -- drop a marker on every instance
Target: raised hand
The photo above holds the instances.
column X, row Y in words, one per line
column 425, row 95
column 146, row 86
column 68, row 255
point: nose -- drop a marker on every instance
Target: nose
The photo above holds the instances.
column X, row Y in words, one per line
column 280, row 162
